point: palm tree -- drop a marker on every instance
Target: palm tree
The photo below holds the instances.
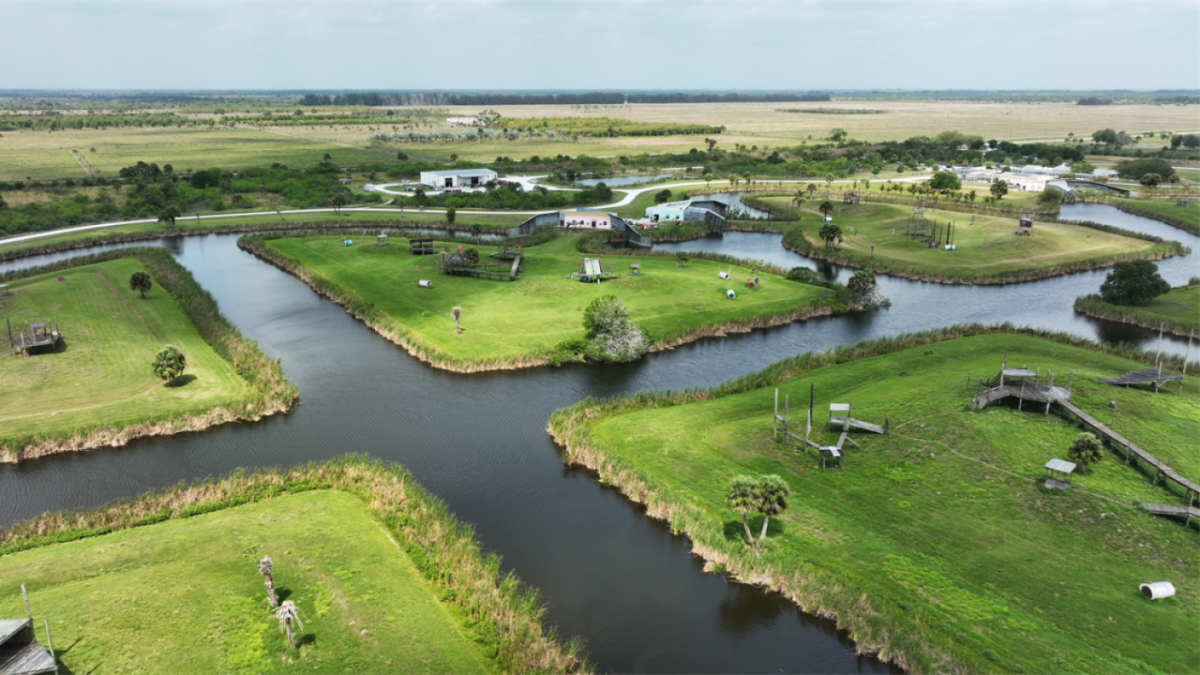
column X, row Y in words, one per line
column 337, row 202
column 743, row 498
column 826, row 207
column 1085, row 450
column 457, row 314
column 829, row 232
column 746, row 177
column 773, row 493
column 733, row 180
column 140, row 281
column 862, row 282
column 287, row 615
column 707, row 178
column 169, row 363
column 266, row 568
column 812, row 187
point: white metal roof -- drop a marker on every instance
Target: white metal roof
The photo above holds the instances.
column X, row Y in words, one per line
column 1060, row 465
column 461, row 172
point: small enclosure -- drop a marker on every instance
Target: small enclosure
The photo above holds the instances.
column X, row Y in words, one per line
column 36, row 336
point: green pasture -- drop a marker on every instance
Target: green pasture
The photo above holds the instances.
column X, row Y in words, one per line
column 526, row 319
column 41, row 155
column 987, row 247
column 185, row 595
column 102, row 379
column 937, row 539
column 1186, row 217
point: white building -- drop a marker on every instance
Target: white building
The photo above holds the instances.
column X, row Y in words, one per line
column 462, row 121
column 458, row 178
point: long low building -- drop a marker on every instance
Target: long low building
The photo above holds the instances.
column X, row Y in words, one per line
column 458, row 178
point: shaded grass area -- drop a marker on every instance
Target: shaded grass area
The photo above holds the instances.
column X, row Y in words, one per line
column 99, row 388
column 1177, row 312
column 266, row 221
column 521, row 323
column 987, row 250
column 384, row 577
column 935, row 545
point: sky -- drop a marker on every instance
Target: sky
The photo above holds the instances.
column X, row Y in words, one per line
column 619, row 45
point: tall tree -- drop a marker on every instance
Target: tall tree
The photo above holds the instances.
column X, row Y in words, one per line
column 168, row 214
column 826, row 208
column 451, row 215
column 773, row 493
column 1133, row 283
column 829, row 232
column 337, row 202
column 140, row 282
column 742, row 497
column 999, row 188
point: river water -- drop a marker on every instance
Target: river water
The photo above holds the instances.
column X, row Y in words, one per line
column 624, row 583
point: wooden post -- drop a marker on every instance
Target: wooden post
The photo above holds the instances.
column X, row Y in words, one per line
column 775, row 417
column 1049, row 392
column 25, row 594
column 1185, row 360
column 1021, row 396
column 50, row 643
column 1070, row 378
column 786, row 398
column 1158, row 359
column 808, row 429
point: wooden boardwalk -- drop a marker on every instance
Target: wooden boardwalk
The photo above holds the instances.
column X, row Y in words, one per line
column 1168, row 510
column 859, row 424
column 1161, row 469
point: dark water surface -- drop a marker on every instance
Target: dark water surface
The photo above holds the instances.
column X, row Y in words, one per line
column 626, row 585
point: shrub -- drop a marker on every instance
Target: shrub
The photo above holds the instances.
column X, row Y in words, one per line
column 612, row 336
column 1133, row 283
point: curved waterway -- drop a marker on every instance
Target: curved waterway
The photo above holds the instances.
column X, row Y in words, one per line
column 624, row 583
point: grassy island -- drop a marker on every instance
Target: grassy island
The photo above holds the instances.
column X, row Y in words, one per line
column 384, row 578
column 98, row 387
column 1165, row 210
column 936, row 545
column 987, row 251
column 525, row 322
column 1178, row 311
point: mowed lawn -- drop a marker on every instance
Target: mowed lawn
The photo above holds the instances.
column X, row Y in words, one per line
column 984, row 248
column 504, row 320
column 185, row 596
column 103, row 378
column 937, row 535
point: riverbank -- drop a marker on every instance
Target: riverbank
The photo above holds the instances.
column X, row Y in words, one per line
column 987, row 252
column 384, row 577
column 1177, row 312
column 1186, row 218
column 534, row 320
column 98, row 389
column 935, row 547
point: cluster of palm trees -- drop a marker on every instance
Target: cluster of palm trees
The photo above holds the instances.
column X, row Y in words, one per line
column 767, row 494
column 286, row 612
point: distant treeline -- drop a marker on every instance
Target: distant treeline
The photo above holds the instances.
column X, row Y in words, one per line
column 56, row 121
column 598, row 98
column 1094, row 100
column 605, row 126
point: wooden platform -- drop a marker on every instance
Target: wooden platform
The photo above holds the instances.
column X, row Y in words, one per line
column 482, row 270
column 858, row 424
column 1152, row 376
column 1031, row 391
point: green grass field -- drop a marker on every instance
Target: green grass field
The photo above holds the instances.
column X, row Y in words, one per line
column 986, row 250
column 936, row 541
column 1178, row 311
column 1185, row 217
column 521, row 322
column 185, row 595
column 103, row 380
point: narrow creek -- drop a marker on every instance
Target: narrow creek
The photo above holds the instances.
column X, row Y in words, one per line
column 624, row 583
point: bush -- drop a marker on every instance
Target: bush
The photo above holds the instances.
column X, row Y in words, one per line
column 612, row 336
column 945, row 180
column 1134, row 169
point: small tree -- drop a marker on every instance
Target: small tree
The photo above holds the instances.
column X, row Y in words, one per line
column 999, row 189
column 328, row 157
column 287, row 615
column 451, row 215
column 829, row 232
column 476, row 230
column 812, row 187
column 168, row 215
column 1133, row 283
column 742, row 497
column 470, row 255
column 945, row 180
column 267, row 568
column 862, row 283
column 1150, row 179
column 457, row 314
column 169, row 363
column 1085, row 450
column 140, row 282
column 337, row 202
column 682, row 259
column 826, row 208
column 612, row 335
column 662, row 197
column 773, row 493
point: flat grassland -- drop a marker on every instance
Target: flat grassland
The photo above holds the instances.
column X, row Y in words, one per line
column 185, row 595
column 1183, row 217
column 98, row 388
column 520, row 323
column 936, row 542
column 1177, row 312
column 987, row 251
column 46, row 155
